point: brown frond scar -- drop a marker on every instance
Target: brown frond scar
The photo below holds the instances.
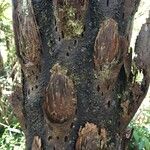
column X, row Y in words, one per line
column 37, row 143
column 60, row 103
column 28, row 33
column 89, row 137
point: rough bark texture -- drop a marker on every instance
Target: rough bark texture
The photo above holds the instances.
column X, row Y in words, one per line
column 78, row 78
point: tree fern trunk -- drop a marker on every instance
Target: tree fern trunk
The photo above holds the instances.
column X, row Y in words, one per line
column 78, row 78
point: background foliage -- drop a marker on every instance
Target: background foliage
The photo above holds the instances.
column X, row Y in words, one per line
column 141, row 124
column 11, row 135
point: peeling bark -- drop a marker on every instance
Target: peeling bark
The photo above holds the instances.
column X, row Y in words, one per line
column 79, row 88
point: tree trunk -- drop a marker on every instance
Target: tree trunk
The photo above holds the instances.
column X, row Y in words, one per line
column 78, row 78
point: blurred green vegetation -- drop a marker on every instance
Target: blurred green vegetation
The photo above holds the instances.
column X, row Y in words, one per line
column 11, row 135
column 141, row 135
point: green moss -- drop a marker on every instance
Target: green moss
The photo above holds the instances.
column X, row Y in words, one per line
column 72, row 27
column 106, row 71
column 58, row 69
column 105, row 74
column 138, row 76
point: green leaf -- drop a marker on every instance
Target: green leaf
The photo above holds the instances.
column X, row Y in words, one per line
column 136, row 136
column 141, row 145
column 146, row 143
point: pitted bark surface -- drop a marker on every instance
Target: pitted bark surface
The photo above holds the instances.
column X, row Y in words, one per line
column 79, row 91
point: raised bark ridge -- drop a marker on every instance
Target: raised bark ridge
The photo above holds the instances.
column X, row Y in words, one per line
column 90, row 137
column 79, row 87
column 60, row 104
column 36, row 145
column 107, row 54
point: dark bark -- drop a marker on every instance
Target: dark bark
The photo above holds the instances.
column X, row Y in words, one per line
column 79, row 91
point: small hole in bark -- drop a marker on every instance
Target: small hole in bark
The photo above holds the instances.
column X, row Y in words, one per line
column 59, row 39
column 82, row 34
column 54, row 148
column 62, row 34
column 57, row 137
column 66, row 139
column 56, row 28
column 32, row 88
column 143, row 88
column 74, row 104
column 51, row 41
column 50, row 137
column 119, row 123
column 55, row 21
column 24, row 62
column 128, row 113
column 23, row 53
column 40, row 68
column 127, row 38
column 25, row 126
column 75, row 16
column 84, row 28
column 75, row 42
column 75, row 111
column 41, row 51
column 36, row 77
column 69, row 47
column 53, row 114
column 107, row 2
column 79, row 15
column 119, row 101
column 108, row 87
column 123, row 15
column 73, row 82
column 108, row 104
column 37, row 66
column 131, row 95
column 29, row 92
column 36, row 86
column 67, row 54
column 32, row 71
column 102, row 93
column 71, row 126
column 98, row 88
